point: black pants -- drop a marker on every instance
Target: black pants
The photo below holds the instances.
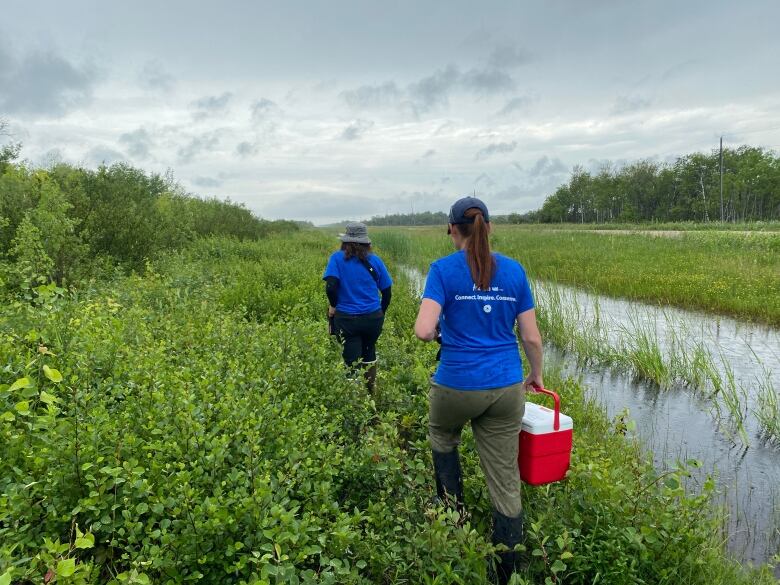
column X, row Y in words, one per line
column 359, row 333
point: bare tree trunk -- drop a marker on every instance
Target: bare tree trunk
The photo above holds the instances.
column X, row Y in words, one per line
column 704, row 198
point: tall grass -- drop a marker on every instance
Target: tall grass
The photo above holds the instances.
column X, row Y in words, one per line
column 767, row 409
column 682, row 226
column 634, row 346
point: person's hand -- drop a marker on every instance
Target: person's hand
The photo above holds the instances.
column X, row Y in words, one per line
column 331, row 311
column 533, row 380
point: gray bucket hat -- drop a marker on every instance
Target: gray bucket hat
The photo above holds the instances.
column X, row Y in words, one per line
column 357, row 233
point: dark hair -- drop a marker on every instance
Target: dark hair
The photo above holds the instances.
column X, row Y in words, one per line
column 478, row 256
column 360, row 251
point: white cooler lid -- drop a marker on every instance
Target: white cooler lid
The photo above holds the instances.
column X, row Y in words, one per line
column 539, row 420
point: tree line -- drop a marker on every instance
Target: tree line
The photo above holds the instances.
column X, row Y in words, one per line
column 689, row 189
column 65, row 223
column 422, row 218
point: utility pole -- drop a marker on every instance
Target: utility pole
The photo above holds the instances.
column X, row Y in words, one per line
column 721, row 179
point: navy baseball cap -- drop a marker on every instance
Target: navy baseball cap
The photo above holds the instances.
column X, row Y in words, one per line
column 459, row 208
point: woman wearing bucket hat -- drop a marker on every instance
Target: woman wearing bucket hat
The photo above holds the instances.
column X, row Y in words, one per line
column 476, row 297
column 353, row 277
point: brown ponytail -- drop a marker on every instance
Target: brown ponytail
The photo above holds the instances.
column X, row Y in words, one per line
column 478, row 256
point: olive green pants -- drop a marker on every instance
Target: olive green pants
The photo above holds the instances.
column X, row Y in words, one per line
column 496, row 416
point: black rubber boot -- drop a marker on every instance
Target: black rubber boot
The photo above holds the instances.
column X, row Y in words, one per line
column 449, row 480
column 507, row 531
column 370, row 376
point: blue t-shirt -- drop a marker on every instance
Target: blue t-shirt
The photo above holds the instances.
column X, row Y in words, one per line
column 358, row 291
column 479, row 348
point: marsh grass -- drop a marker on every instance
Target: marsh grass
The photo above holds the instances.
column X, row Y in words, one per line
column 634, row 345
column 642, row 351
column 767, row 409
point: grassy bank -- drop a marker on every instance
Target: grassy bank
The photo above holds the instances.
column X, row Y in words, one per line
column 728, row 274
column 677, row 226
column 195, row 424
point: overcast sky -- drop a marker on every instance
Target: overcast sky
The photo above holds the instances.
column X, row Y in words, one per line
column 346, row 109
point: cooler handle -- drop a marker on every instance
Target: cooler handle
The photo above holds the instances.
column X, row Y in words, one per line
column 556, row 417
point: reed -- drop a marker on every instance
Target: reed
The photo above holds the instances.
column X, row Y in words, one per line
column 767, row 409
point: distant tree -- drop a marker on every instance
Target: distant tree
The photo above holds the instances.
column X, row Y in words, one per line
column 409, row 219
column 60, row 223
column 687, row 189
column 8, row 152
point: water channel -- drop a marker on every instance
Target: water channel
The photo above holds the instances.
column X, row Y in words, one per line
column 677, row 423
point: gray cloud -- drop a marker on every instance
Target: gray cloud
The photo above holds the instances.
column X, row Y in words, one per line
column 496, row 148
column 508, row 57
column 138, row 143
column 428, row 154
column 43, row 83
column 246, row 149
column 547, row 166
column 679, row 69
column 373, row 96
column 209, row 105
column 207, row 182
column 433, row 90
column 515, row 104
column 196, row 146
column 629, row 104
column 487, row 81
column 430, row 92
column 356, row 129
column 262, row 109
column 445, row 127
column 484, row 179
column 154, row 77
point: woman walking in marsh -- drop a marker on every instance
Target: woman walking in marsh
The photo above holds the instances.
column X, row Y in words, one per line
column 476, row 298
column 354, row 279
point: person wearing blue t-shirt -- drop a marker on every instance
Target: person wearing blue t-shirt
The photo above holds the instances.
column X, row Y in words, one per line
column 354, row 279
column 474, row 298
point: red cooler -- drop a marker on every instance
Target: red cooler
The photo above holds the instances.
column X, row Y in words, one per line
column 545, row 442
